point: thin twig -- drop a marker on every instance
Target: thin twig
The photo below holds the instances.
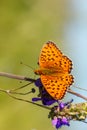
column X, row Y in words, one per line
column 77, row 94
column 15, row 89
column 12, row 92
column 20, row 93
column 13, row 76
column 80, row 88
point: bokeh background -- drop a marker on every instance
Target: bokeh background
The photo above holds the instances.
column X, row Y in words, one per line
column 25, row 25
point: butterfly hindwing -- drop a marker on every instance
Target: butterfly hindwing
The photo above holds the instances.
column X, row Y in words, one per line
column 56, row 86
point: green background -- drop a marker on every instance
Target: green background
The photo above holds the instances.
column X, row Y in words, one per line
column 25, row 25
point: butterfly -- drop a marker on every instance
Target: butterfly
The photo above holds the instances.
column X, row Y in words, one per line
column 54, row 70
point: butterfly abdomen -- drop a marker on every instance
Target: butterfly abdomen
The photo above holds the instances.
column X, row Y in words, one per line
column 44, row 71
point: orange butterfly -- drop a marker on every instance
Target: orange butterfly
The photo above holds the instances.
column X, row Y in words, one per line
column 54, row 70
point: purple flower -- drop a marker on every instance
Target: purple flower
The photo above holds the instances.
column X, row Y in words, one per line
column 59, row 122
column 45, row 101
column 65, row 121
column 38, row 83
column 62, row 105
column 54, row 121
column 36, row 99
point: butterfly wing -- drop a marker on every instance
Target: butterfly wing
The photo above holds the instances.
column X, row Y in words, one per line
column 66, row 64
column 49, row 54
column 52, row 58
column 57, row 86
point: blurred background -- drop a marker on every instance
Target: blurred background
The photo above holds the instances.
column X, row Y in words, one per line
column 25, row 25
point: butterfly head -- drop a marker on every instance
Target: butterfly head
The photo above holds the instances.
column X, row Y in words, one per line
column 38, row 72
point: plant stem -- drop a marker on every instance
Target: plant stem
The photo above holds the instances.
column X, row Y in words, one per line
column 77, row 94
column 18, row 77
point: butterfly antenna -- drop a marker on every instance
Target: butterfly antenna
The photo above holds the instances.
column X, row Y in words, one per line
column 80, row 88
column 26, row 65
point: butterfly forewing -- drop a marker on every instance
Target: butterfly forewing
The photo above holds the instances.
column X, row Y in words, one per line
column 50, row 56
